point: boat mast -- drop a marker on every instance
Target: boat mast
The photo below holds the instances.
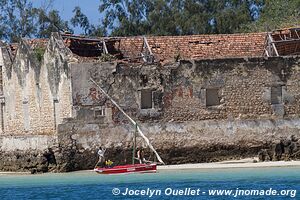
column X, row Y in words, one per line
column 134, row 145
column 131, row 120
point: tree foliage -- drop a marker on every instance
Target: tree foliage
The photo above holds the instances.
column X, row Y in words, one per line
column 81, row 20
column 276, row 14
column 48, row 22
column 18, row 19
column 177, row 17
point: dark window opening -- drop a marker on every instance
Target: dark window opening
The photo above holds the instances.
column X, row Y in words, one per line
column 144, row 80
column 276, row 95
column 212, row 97
column 146, row 99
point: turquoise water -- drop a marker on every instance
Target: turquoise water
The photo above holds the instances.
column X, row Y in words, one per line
column 180, row 184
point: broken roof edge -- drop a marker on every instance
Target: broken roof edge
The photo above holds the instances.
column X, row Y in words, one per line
column 31, row 47
column 160, row 48
column 137, row 48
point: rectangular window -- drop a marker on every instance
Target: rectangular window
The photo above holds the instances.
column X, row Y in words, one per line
column 99, row 111
column 146, row 99
column 276, row 95
column 212, row 97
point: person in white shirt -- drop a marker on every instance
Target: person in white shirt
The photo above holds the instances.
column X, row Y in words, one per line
column 101, row 156
column 140, row 156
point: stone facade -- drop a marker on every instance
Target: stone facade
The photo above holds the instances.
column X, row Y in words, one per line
column 36, row 94
column 240, row 89
column 192, row 108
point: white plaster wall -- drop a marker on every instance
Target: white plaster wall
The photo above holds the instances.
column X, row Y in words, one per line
column 23, row 143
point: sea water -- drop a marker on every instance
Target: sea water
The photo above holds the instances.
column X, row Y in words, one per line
column 246, row 183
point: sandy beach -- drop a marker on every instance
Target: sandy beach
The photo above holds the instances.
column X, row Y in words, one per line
column 14, row 173
column 244, row 163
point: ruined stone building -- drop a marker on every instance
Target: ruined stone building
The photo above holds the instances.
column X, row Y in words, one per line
column 198, row 98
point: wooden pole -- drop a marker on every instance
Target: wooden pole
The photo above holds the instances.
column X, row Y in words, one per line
column 134, row 145
column 131, row 120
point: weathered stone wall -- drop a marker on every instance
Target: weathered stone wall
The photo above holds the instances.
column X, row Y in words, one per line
column 186, row 142
column 58, row 95
column 122, row 83
column 2, row 64
column 37, row 94
column 21, row 114
column 31, row 87
column 244, row 89
column 37, row 97
column 77, row 142
column 179, row 91
column 57, row 61
column 28, row 153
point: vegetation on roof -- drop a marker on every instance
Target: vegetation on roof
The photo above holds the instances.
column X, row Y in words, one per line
column 39, row 53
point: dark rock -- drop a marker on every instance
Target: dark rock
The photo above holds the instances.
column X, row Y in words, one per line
column 33, row 170
column 263, row 155
column 294, row 139
column 279, row 150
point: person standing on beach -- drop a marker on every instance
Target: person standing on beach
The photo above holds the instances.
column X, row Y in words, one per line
column 101, row 155
column 140, row 155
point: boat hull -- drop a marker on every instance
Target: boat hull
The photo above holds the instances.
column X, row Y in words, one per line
column 124, row 169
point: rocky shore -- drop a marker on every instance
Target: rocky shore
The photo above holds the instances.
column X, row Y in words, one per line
column 193, row 142
column 73, row 158
column 284, row 149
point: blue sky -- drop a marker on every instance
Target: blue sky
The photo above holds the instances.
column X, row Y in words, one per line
column 65, row 7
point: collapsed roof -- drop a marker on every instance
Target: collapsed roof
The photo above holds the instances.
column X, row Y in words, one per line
column 167, row 48
column 164, row 49
column 283, row 42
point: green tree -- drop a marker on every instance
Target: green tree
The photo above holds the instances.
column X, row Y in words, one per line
column 276, row 14
column 81, row 20
column 50, row 21
column 177, row 17
column 228, row 16
column 17, row 19
column 125, row 17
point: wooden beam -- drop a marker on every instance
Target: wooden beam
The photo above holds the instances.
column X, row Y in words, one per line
column 272, row 43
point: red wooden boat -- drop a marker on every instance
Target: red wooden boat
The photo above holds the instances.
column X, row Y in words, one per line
column 125, row 169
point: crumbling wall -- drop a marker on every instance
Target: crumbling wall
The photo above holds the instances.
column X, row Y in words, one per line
column 122, row 83
column 33, row 153
column 56, row 74
column 192, row 110
column 20, row 77
column 37, row 93
column 253, row 88
column 244, row 89
column 176, row 142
